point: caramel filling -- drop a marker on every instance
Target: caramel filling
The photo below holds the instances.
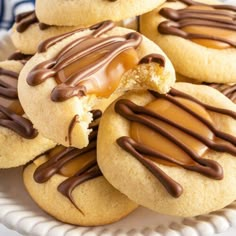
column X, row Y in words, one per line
column 143, row 134
column 104, row 82
column 71, row 167
column 226, row 34
column 78, row 163
column 55, row 151
column 14, row 105
column 211, row 30
column 8, row 102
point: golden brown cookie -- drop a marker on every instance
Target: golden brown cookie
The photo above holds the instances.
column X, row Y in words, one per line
column 76, row 12
column 67, row 184
column 174, row 153
column 229, row 90
column 19, row 141
column 198, row 36
column 27, row 33
column 86, row 69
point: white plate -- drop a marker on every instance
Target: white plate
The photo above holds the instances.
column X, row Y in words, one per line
column 19, row 212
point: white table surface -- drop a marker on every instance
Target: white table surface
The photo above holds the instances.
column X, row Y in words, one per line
column 6, row 232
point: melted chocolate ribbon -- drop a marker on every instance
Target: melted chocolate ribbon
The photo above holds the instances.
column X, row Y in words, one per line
column 226, row 89
column 178, row 19
column 7, row 90
column 18, row 56
column 10, row 119
column 140, row 114
column 156, row 58
column 110, row 46
column 18, row 124
column 26, row 19
column 53, row 166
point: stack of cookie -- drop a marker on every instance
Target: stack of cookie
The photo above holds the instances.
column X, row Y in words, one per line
column 100, row 121
column 92, row 66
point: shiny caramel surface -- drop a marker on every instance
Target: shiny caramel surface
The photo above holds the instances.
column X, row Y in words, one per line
column 106, row 80
column 227, row 34
column 156, row 141
column 73, row 166
column 76, row 164
column 209, row 30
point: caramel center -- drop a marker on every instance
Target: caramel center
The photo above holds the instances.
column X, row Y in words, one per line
column 223, row 33
column 70, row 166
column 105, row 80
column 219, row 32
column 78, row 163
column 161, row 144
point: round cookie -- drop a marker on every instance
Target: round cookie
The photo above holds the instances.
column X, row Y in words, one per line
column 67, row 184
column 72, row 13
column 87, row 69
column 27, row 33
column 200, row 44
column 20, row 142
column 162, row 152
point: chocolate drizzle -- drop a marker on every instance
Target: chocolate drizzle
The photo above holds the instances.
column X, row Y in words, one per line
column 229, row 90
column 6, row 89
column 53, row 166
column 88, row 46
column 71, row 127
column 94, row 125
column 26, row 19
column 215, row 18
column 91, row 171
column 8, row 118
column 156, row 58
column 138, row 151
column 141, row 152
column 18, row 56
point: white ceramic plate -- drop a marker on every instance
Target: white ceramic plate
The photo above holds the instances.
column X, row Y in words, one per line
column 20, row 213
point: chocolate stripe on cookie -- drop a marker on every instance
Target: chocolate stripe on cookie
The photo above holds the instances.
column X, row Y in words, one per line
column 76, row 64
column 60, row 157
column 7, row 89
column 191, row 23
column 18, row 56
column 229, row 90
column 10, row 109
column 26, row 19
column 156, row 58
column 163, row 126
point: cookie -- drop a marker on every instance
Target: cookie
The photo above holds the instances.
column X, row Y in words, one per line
column 229, row 90
column 27, row 33
column 19, row 140
column 67, row 184
column 198, row 36
column 87, row 69
column 72, row 13
column 174, row 153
